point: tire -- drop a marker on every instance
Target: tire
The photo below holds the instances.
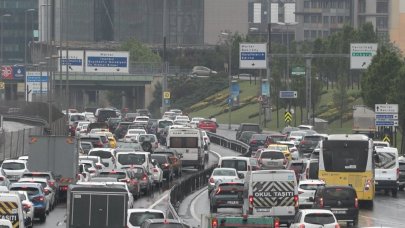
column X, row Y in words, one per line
column 394, row 192
column 42, row 219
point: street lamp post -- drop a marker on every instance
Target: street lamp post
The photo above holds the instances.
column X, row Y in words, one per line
column 25, row 35
column 2, row 35
column 40, row 64
column 230, row 42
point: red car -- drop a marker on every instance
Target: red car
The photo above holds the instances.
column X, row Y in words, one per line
column 208, row 125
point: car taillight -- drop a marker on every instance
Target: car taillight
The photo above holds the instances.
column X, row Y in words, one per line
column 212, row 180
column 99, row 166
column 321, row 202
column 1, row 178
column 155, row 170
column 46, row 191
column 302, row 226
column 253, row 142
column 39, row 199
column 145, row 177
column 214, row 223
column 126, row 180
column 337, row 225
column 276, row 223
column 63, row 188
column 51, row 183
column 356, row 203
column 26, row 206
column 296, row 201
column 300, row 192
column 166, row 165
column 251, row 200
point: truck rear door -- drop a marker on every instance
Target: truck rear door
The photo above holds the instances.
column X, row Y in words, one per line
column 385, row 168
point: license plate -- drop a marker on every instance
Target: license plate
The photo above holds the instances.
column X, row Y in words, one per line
column 263, row 209
column 338, row 211
column 233, row 202
column 271, row 163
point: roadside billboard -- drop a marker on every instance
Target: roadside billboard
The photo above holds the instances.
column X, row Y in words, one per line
column 76, row 61
column 107, row 61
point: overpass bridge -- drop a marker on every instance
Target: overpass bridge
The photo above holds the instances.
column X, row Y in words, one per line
column 85, row 89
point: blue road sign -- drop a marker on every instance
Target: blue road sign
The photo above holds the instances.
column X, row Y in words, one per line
column 387, row 123
column 386, row 116
column 167, row 101
column 252, row 55
column 19, row 72
column 96, row 61
column 288, row 94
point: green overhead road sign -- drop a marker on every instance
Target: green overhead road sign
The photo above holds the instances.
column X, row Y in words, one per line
column 298, row 71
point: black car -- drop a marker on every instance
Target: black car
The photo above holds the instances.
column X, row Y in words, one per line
column 309, row 143
column 401, row 174
column 341, row 200
column 247, row 127
column 256, row 141
column 227, row 195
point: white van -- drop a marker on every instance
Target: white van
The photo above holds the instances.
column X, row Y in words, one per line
column 386, row 169
column 106, row 154
column 273, row 193
column 241, row 164
column 126, row 159
column 12, row 210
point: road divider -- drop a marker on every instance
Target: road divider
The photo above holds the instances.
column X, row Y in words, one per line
column 234, row 145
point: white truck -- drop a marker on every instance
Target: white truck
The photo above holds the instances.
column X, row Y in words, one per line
column 189, row 142
column 363, row 120
column 56, row 154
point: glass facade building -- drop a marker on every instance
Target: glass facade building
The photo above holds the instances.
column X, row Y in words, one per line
column 15, row 17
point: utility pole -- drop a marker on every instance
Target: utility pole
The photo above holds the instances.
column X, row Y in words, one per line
column 269, row 59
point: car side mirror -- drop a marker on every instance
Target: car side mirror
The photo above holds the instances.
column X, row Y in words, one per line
column 311, row 199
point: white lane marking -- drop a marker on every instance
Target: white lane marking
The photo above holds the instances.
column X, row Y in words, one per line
column 159, row 200
column 215, row 153
column 192, row 206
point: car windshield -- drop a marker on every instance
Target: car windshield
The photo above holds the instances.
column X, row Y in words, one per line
column 311, row 186
column 239, row 165
column 13, row 166
column 272, row 155
column 160, row 158
column 30, row 190
column 134, row 146
column 278, row 147
column 254, row 128
column 137, row 218
column 319, row 218
column 101, row 154
column 339, row 193
column 118, row 175
column 345, row 156
column 313, row 138
column 44, row 185
column 224, row 172
column 149, row 138
column 131, row 159
column 86, row 146
column 163, row 124
column 77, row 117
column 259, row 137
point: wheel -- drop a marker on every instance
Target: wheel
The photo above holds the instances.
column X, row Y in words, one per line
column 394, row 192
column 42, row 219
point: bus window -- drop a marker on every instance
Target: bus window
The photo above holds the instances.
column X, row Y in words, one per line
column 345, row 156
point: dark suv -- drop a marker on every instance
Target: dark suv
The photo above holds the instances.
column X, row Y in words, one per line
column 309, row 143
column 247, row 127
column 227, row 195
column 341, row 200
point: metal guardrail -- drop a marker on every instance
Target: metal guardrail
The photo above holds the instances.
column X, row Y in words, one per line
column 25, row 119
column 234, row 145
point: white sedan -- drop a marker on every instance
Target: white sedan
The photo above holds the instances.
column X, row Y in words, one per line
column 314, row 218
column 133, row 134
column 221, row 174
column 307, row 189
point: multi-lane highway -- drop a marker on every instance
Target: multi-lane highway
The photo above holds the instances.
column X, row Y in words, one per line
column 388, row 211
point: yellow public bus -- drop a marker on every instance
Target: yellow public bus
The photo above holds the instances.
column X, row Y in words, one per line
column 347, row 159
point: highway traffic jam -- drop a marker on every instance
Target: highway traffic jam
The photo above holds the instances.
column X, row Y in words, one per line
column 295, row 178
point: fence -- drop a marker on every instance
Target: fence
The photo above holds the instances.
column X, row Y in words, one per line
column 189, row 185
column 228, row 143
column 15, row 143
